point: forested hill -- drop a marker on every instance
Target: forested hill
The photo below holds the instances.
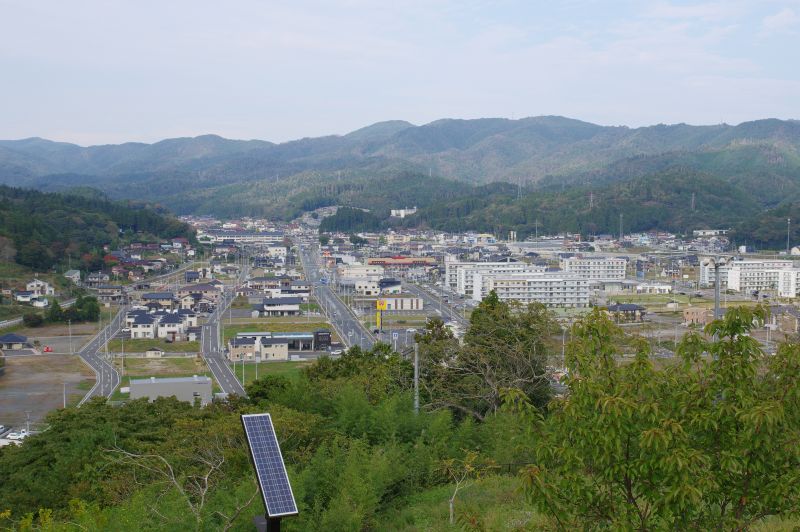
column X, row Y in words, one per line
column 40, row 229
column 229, row 177
column 675, row 199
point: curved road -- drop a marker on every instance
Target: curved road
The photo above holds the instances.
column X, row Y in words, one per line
column 107, row 377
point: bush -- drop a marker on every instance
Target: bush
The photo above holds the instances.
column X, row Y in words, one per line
column 32, row 320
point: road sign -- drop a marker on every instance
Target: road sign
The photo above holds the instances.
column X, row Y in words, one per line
column 395, row 335
column 380, row 304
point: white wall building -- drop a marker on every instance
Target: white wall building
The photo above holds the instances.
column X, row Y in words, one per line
column 596, row 268
column 707, row 272
column 402, row 213
column 355, row 271
column 554, row 289
column 459, row 275
column 401, row 302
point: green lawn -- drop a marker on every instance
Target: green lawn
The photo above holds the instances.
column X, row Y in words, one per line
column 287, row 369
column 140, row 345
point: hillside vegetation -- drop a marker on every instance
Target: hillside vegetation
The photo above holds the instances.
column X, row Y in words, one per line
column 39, row 230
column 705, row 443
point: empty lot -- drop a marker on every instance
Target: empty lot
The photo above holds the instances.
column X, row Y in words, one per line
column 35, row 384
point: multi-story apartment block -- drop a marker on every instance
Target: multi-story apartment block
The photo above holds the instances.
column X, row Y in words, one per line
column 459, row 276
column 554, row 289
column 595, row 268
column 707, row 271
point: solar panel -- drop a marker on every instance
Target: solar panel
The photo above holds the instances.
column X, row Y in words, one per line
column 270, row 469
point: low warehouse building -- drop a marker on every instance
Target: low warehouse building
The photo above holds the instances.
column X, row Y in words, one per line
column 195, row 389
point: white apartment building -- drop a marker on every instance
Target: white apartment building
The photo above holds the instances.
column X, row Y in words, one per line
column 789, row 283
column 554, row 289
column 595, row 268
column 707, row 272
column 459, row 275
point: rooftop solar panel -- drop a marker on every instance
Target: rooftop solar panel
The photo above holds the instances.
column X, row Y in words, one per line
column 270, row 469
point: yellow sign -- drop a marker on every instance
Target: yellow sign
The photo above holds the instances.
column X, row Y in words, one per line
column 380, row 304
column 378, row 320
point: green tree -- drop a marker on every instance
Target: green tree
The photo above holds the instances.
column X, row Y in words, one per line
column 506, row 346
column 55, row 313
column 709, row 443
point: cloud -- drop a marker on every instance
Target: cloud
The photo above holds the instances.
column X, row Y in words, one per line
column 784, row 20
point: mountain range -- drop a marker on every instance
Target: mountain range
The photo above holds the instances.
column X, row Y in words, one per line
column 396, row 163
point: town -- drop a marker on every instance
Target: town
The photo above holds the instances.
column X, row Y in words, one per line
column 200, row 321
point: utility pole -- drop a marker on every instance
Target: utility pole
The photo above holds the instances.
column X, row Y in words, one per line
column 788, row 231
column 64, row 384
column 620, row 227
column 416, row 378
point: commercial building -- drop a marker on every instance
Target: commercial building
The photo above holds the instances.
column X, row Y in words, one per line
column 195, row 389
column 402, row 302
column 554, row 289
column 595, row 268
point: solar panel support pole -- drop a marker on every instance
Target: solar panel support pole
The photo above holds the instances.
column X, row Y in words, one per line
column 416, row 378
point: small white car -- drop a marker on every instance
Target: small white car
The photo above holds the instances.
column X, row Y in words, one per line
column 21, row 435
column 336, row 352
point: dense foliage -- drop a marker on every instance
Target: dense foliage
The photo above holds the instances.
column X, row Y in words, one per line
column 348, row 219
column 709, row 443
column 705, row 442
column 39, row 229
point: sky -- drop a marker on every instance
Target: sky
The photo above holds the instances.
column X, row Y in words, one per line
column 111, row 71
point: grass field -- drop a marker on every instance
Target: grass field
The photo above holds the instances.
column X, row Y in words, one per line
column 230, row 331
column 140, row 345
column 287, row 369
column 240, row 302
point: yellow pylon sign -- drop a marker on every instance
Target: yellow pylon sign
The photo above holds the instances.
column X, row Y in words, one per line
column 380, row 304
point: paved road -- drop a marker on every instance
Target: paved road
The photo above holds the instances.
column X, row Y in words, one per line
column 213, row 349
column 347, row 325
column 433, row 303
column 107, row 376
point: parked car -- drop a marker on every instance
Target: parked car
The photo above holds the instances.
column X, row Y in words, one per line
column 21, row 435
column 2, row 429
column 336, row 352
column 47, row 349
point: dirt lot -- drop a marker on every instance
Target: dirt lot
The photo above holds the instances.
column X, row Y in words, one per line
column 35, row 384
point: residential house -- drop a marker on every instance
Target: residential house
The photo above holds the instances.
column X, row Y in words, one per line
column 73, row 276
column 279, row 306
column 14, row 341
column 627, row 312
column 162, row 299
column 40, row 288
column 24, row 296
column 96, row 279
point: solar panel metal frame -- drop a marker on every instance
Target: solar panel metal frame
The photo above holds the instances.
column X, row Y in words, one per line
column 258, row 472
